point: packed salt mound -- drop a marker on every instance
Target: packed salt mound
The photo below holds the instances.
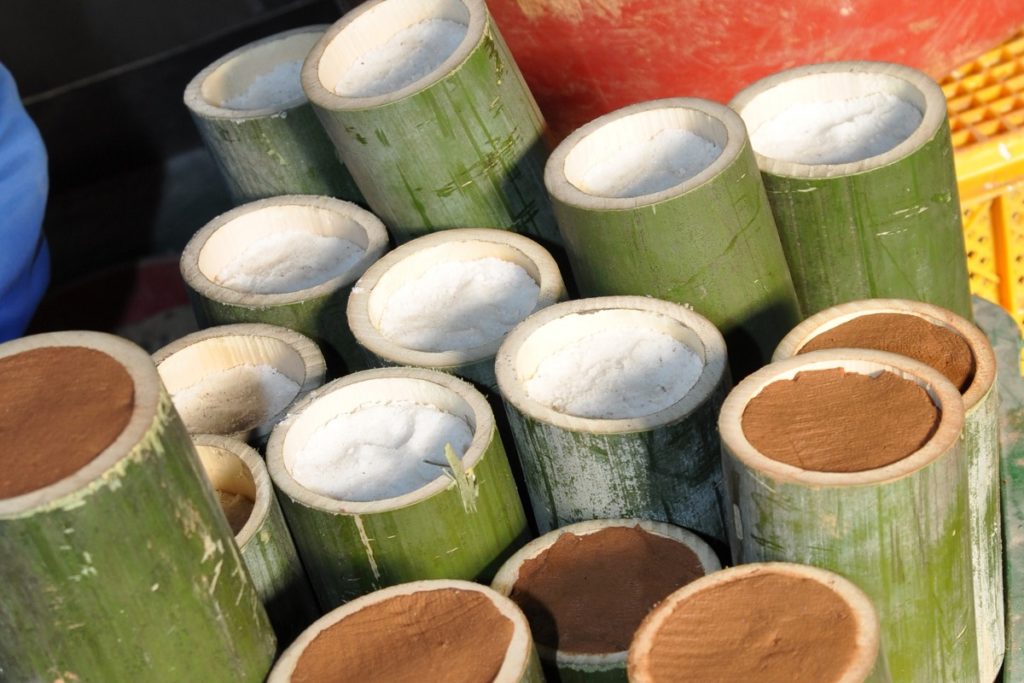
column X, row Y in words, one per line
column 380, row 451
column 837, row 131
column 616, row 374
column 234, row 399
column 276, row 88
column 288, row 261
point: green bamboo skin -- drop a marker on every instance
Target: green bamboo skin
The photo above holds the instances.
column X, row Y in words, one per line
column 709, row 243
column 126, row 570
column 900, row 532
column 271, row 151
column 885, row 227
column 445, row 530
column 462, row 147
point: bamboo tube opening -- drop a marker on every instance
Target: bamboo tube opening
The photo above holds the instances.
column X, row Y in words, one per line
column 563, row 325
column 374, row 26
column 441, row 630
column 367, row 389
column 800, row 622
column 234, row 468
column 840, row 86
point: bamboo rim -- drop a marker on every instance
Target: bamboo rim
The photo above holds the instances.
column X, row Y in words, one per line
column 442, row 391
column 235, row 467
column 224, row 236
column 207, row 91
column 833, row 81
column 147, row 410
column 370, row 25
column 830, row 318
column 546, row 331
column 185, row 361
column 618, row 130
column 370, row 295
column 517, row 656
column 868, row 641
column 507, row 576
column 863, row 361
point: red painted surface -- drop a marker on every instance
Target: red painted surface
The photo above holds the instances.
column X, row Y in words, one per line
column 584, row 58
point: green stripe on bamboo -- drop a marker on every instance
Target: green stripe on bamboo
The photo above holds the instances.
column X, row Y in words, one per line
column 888, row 226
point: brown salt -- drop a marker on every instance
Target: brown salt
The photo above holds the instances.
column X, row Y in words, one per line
column 449, row 634
column 908, row 335
column 589, row 593
column 61, row 407
column 237, row 508
column 765, row 627
column 835, row 421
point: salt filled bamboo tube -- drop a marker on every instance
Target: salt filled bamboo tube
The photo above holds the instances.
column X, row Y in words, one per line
column 239, row 477
column 217, row 381
column 110, row 535
column 900, row 531
column 273, row 144
column 961, row 351
column 565, row 663
column 393, row 634
column 662, row 466
column 886, row 225
column 460, row 144
column 213, row 267
column 462, row 524
column 372, row 293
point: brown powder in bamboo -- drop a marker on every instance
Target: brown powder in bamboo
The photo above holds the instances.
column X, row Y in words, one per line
column 237, row 508
column 764, row 627
column 837, row 421
column 589, row 593
column 451, row 635
column 908, row 335
column 62, row 406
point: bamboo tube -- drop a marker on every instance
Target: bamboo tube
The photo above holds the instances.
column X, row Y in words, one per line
column 237, row 472
column 118, row 567
column 278, row 146
column 883, row 226
column 981, row 435
column 901, row 531
column 213, row 378
column 461, row 146
column 564, row 664
column 397, row 628
column 410, row 261
column 461, row 525
column 708, row 242
column 800, row 642
column 295, row 301
column 662, row 466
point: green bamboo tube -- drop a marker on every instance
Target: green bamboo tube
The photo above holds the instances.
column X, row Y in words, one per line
column 886, row 226
column 461, row 525
column 278, row 148
column 318, row 310
column 318, row 655
column 408, row 262
column 235, row 469
column 460, row 147
column 901, row 532
column 122, row 569
column 566, row 665
column 240, row 410
column 981, row 447
column 663, row 466
column 708, row 242
column 659, row 636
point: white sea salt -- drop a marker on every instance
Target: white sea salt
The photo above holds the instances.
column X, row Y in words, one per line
column 275, row 88
column 837, row 131
column 406, row 57
column 380, row 451
column 234, row 399
column 616, row 374
column 288, row 261
column 669, row 158
column 459, row 305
